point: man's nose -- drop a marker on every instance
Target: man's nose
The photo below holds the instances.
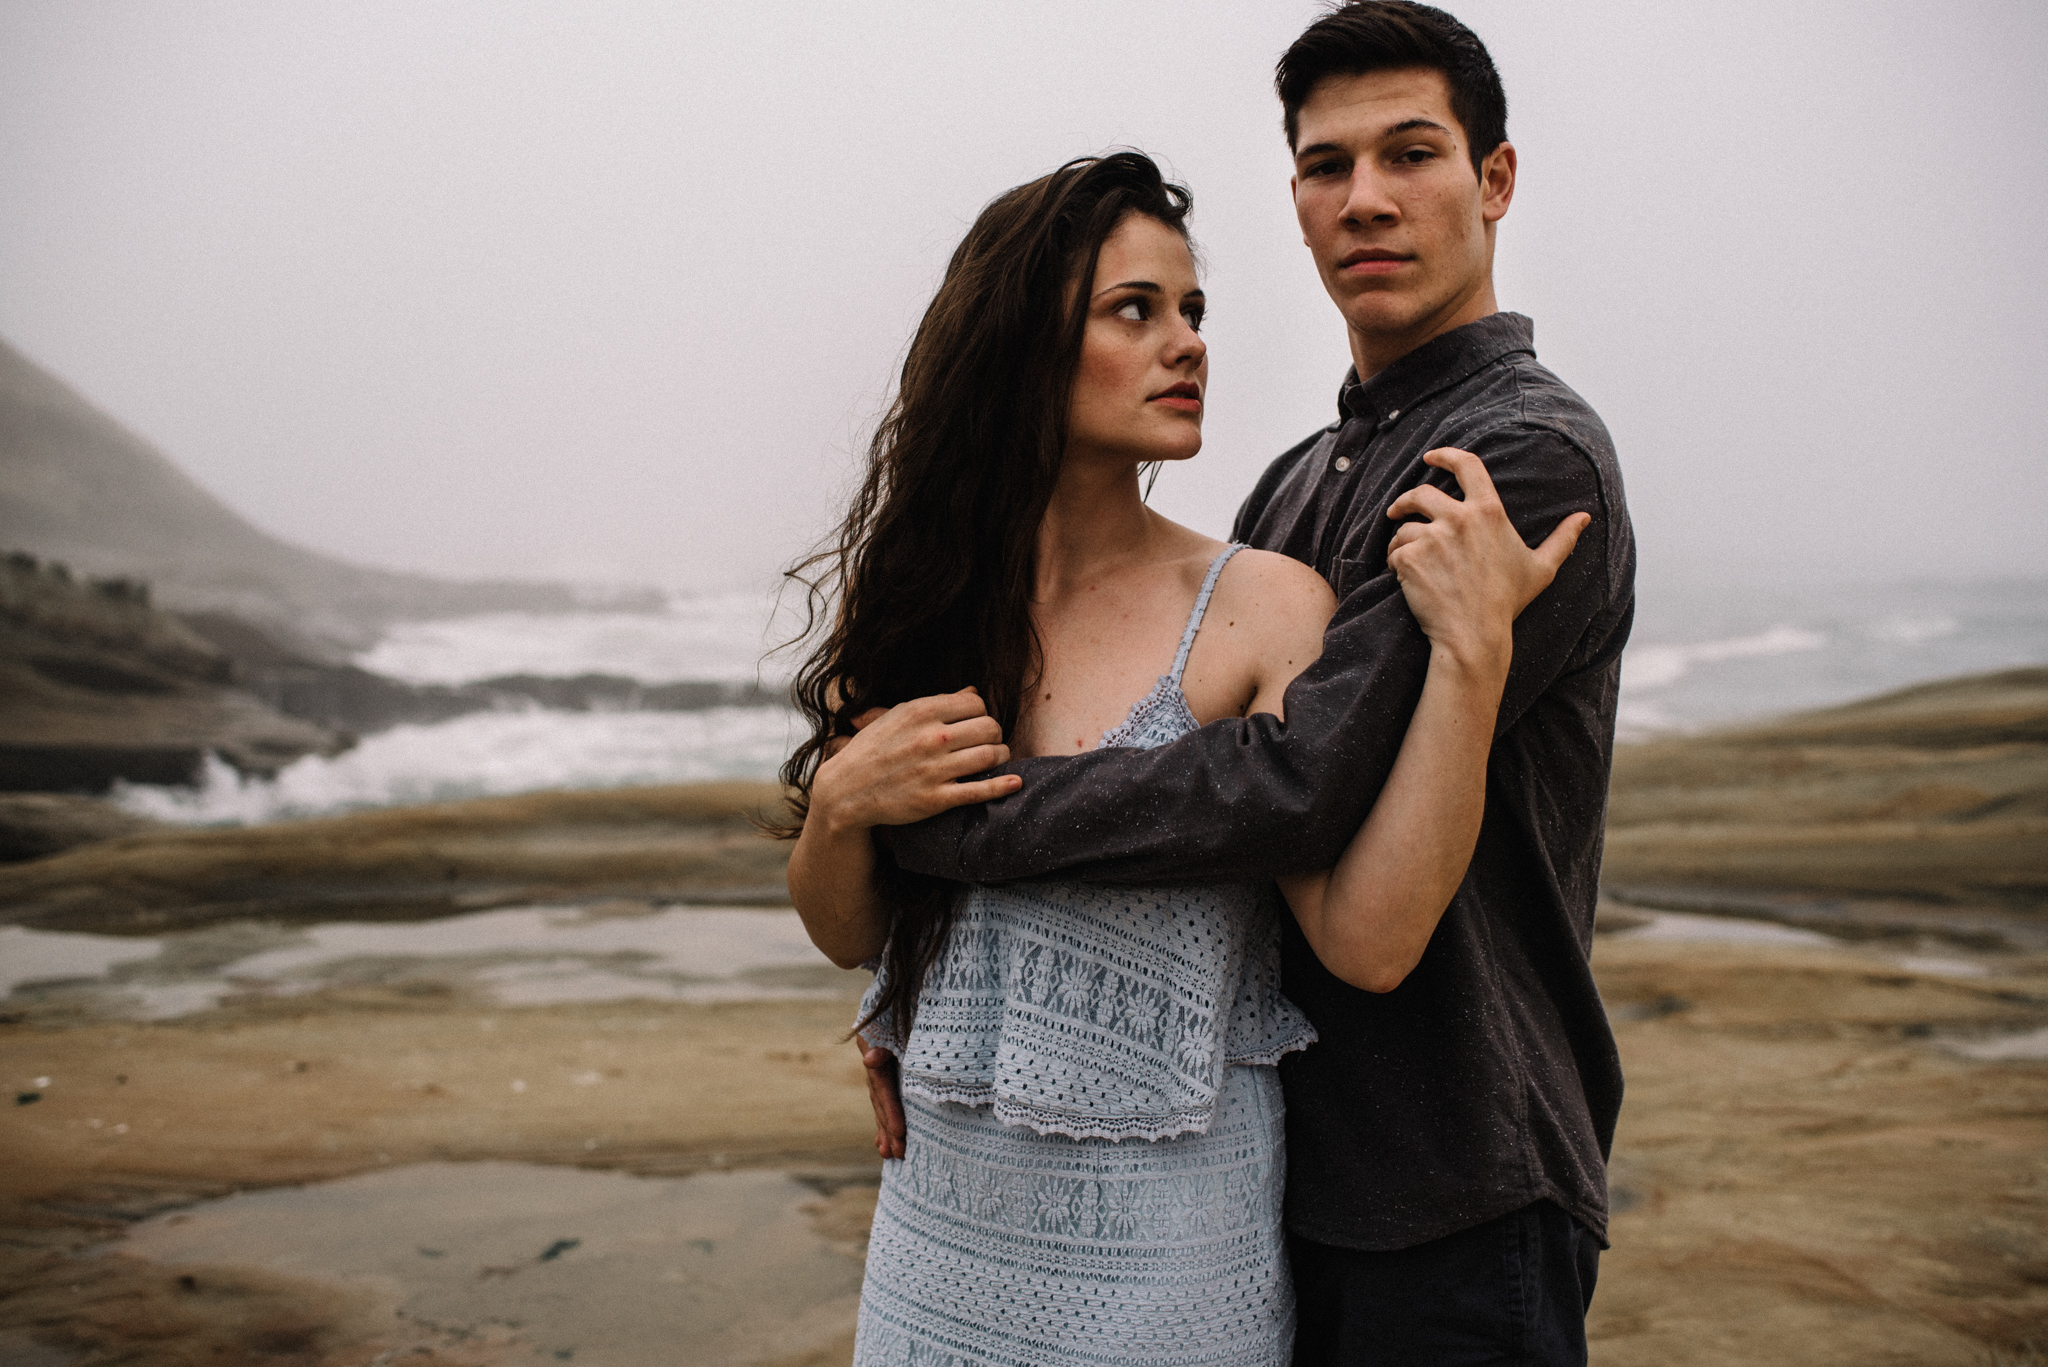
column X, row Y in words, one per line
column 1369, row 201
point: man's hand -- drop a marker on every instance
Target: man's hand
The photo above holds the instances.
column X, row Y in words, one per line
column 885, row 1094
column 906, row 762
column 1466, row 572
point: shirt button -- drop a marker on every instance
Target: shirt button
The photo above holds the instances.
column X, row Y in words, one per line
column 1393, row 415
column 1343, row 462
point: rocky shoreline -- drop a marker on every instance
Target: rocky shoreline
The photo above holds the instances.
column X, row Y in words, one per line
column 99, row 686
column 1830, row 1151
column 1920, row 812
column 688, row 843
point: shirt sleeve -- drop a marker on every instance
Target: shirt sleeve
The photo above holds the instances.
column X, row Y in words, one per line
column 1250, row 796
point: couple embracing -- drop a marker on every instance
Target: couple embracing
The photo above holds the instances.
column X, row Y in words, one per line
column 1230, row 903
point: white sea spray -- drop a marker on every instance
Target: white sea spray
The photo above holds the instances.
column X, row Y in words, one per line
column 488, row 754
column 1698, row 658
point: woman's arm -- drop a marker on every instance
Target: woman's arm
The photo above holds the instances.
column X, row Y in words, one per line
column 902, row 766
column 1466, row 574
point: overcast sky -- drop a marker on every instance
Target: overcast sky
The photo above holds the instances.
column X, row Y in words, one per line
column 614, row 290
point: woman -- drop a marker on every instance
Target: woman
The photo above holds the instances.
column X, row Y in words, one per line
column 1093, row 1169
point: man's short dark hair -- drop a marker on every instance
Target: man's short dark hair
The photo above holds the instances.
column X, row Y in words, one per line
column 1388, row 35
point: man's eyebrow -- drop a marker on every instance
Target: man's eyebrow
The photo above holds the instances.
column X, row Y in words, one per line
column 1405, row 126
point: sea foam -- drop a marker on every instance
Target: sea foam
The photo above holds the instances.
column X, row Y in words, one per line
column 716, row 638
column 489, row 754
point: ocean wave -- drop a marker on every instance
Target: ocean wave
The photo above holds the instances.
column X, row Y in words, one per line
column 488, row 754
column 1912, row 631
column 1646, row 667
column 718, row 638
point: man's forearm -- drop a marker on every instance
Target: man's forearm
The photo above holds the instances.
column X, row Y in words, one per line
column 1244, row 797
column 1251, row 797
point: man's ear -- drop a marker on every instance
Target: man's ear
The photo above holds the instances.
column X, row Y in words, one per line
column 1497, row 182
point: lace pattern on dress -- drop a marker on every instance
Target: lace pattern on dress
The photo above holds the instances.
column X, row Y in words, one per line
column 1101, row 1012
column 996, row 1247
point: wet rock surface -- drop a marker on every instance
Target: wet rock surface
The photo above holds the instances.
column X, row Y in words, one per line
column 297, row 681
column 97, row 687
column 1831, row 1150
column 1936, row 795
column 684, row 843
column 33, row 825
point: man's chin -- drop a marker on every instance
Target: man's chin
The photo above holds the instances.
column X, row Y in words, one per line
column 1383, row 316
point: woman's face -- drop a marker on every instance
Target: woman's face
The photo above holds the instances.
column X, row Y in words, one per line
column 1144, row 368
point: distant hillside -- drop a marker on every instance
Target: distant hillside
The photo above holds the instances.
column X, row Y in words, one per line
column 78, row 487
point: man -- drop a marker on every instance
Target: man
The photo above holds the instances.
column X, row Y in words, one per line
column 1447, row 1138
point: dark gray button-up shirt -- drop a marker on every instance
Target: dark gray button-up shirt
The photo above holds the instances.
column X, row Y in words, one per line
column 1488, row 1079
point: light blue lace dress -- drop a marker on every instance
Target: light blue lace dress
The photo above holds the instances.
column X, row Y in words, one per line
column 1094, row 1166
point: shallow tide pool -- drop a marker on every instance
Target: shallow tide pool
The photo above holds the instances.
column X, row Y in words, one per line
column 524, row 956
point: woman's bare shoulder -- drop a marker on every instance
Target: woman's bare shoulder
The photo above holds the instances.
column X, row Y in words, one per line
column 1277, row 588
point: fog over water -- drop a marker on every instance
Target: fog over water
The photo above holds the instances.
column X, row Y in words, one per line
column 612, row 292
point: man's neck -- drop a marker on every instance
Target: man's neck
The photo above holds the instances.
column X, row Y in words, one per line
column 1373, row 352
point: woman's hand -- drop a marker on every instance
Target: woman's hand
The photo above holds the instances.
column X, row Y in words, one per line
column 904, row 764
column 1466, row 572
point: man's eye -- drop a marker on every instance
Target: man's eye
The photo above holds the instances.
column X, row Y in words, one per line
column 1324, row 168
column 1133, row 309
column 1415, row 156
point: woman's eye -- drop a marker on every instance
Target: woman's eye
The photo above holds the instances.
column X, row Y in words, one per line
column 1194, row 317
column 1133, row 309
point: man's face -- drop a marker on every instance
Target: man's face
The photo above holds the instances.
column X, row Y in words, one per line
column 1400, row 225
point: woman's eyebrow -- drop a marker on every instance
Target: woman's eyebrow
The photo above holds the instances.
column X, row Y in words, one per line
column 1148, row 287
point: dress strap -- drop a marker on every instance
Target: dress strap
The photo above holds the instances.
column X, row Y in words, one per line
column 1187, row 638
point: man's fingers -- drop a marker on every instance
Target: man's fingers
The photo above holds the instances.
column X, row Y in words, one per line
column 1466, row 468
column 1424, row 500
column 884, row 1099
column 1557, row 547
column 1428, row 500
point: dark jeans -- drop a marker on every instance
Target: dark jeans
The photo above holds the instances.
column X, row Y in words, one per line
column 1511, row 1291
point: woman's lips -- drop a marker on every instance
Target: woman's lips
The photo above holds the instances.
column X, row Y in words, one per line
column 1184, row 397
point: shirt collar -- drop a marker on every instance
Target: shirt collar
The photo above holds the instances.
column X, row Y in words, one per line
column 1436, row 364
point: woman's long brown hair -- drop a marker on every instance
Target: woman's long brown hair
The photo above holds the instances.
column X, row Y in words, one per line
column 933, row 567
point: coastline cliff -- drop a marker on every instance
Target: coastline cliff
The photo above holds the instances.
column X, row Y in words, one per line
column 78, row 487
